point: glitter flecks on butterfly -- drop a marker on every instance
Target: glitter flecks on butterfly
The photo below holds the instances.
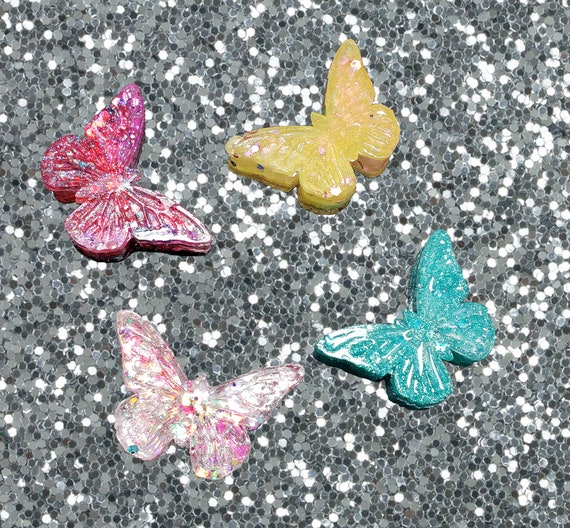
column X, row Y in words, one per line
column 439, row 326
column 212, row 422
column 98, row 171
column 320, row 160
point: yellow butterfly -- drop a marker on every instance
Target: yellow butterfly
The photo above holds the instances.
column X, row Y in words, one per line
column 354, row 134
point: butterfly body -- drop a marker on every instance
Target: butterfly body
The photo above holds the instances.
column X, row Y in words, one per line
column 98, row 171
column 212, row 422
column 439, row 326
column 354, row 133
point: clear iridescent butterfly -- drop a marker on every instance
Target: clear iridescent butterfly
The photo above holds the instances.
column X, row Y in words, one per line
column 439, row 326
column 212, row 422
column 98, row 171
column 353, row 134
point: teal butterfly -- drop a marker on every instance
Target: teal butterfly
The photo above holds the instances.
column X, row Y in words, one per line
column 438, row 326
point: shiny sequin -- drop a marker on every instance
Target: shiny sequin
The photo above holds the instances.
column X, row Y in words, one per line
column 98, row 171
column 438, row 326
column 212, row 422
column 355, row 134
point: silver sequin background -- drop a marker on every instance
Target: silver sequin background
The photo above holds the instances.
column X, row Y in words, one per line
column 481, row 91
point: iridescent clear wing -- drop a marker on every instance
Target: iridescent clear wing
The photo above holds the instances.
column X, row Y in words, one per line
column 148, row 362
column 108, row 228
column 218, row 447
column 144, row 423
column 251, row 398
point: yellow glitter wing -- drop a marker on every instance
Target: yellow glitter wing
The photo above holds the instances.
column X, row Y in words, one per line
column 320, row 159
column 368, row 132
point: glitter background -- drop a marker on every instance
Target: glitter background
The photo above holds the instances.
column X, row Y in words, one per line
column 481, row 92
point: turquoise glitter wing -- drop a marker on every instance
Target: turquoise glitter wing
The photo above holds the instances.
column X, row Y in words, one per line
column 439, row 326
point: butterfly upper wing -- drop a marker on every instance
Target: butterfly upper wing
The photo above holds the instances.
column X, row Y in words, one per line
column 109, row 226
column 150, row 370
column 437, row 294
column 148, row 362
column 367, row 132
column 284, row 157
column 69, row 164
column 113, row 141
column 437, row 285
column 251, row 398
column 417, row 376
column 118, row 129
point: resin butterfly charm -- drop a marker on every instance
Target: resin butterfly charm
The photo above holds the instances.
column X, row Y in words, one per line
column 354, row 134
column 98, row 171
column 212, row 422
column 439, row 326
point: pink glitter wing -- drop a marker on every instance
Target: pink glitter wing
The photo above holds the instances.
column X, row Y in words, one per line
column 134, row 217
column 112, row 142
column 98, row 171
column 211, row 421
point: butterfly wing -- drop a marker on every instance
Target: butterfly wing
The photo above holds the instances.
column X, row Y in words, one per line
column 364, row 350
column 218, row 447
column 118, row 130
column 368, row 132
column 437, row 294
column 150, row 370
column 416, row 374
column 253, row 396
column 284, row 157
column 113, row 141
column 221, row 443
column 108, row 227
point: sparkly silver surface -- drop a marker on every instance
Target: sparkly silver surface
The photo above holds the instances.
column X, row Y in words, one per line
column 481, row 93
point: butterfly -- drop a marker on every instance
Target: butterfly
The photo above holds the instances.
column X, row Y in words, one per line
column 438, row 326
column 212, row 422
column 354, row 134
column 98, row 171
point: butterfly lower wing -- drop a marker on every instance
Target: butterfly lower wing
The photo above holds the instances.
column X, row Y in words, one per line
column 70, row 163
column 253, row 396
column 108, row 227
column 148, row 362
column 469, row 332
column 118, row 129
column 419, row 378
column 143, row 424
column 218, row 447
column 326, row 179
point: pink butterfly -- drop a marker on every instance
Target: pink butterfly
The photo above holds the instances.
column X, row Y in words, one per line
column 211, row 421
column 98, row 171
